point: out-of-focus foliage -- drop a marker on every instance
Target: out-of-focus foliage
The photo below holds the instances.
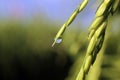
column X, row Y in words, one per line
column 26, row 52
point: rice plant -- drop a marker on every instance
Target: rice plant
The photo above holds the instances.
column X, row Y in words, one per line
column 97, row 32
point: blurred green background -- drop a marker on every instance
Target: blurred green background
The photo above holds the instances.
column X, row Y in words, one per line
column 26, row 52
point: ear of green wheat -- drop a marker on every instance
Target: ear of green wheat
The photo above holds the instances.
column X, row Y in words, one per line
column 96, row 32
column 58, row 37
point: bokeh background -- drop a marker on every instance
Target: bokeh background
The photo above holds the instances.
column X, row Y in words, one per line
column 27, row 31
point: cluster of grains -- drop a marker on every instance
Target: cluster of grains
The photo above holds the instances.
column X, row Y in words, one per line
column 96, row 34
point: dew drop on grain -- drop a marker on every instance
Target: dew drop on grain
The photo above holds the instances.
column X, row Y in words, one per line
column 58, row 40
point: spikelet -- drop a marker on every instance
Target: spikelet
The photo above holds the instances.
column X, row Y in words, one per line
column 83, row 5
column 104, row 7
column 115, row 6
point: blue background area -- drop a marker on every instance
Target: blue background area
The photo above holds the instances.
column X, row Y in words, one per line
column 53, row 10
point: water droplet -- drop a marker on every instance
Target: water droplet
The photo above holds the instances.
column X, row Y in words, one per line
column 58, row 40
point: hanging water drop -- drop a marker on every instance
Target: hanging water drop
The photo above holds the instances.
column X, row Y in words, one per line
column 59, row 40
